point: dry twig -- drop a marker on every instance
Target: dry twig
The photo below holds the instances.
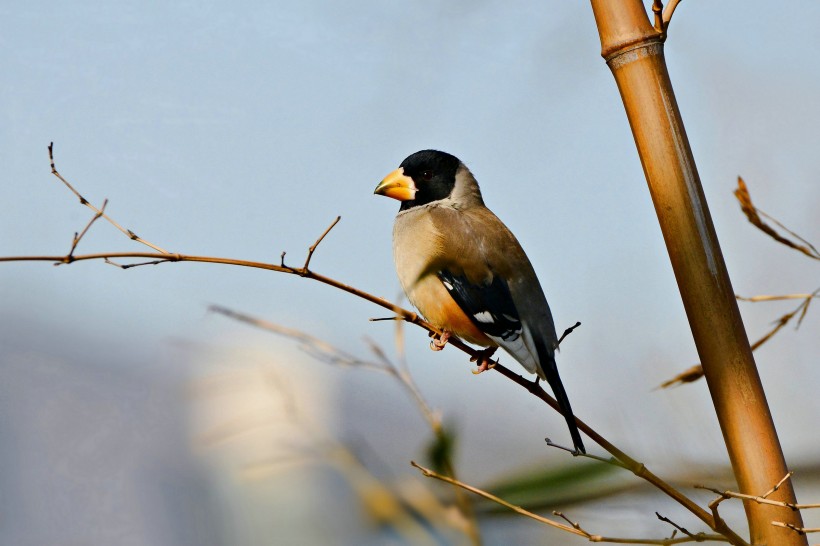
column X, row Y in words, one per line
column 696, row 372
column 697, row 536
column 100, row 212
column 799, row 243
column 569, row 527
column 796, row 529
column 330, row 354
column 663, row 16
column 762, row 499
column 753, row 214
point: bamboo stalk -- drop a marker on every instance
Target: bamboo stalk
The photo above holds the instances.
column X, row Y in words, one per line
column 633, row 49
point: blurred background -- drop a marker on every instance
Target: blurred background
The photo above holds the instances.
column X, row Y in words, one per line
column 132, row 415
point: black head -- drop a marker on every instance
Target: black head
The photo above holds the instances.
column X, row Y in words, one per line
column 434, row 175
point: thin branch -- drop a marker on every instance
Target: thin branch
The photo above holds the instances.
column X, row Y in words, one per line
column 696, row 372
column 675, row 525
column 94, row 218
column 713, row 506
column 668, row 11
column 755, row 299
column 137, row 264
column 315, row 245
column 776, row 486
column 657, row 9
column 432, row 474
column 572, row 451
column 314, row 346
column 637, row 468
column 663, row 16
column 796, row 529
column 757, row 498
column 567, row 332
column 409, row 384
column 790, row 232
column 753, row 215
column 571, row 527
column 128, row 233
column 688, row 375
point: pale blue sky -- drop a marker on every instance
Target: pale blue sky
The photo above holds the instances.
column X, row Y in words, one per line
column 243, row 129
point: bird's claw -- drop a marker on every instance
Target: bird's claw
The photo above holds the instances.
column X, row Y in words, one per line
column 439, row 340
column 483, row 358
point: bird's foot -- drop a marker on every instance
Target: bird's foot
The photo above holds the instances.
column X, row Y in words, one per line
column 439, row 340
column 483, row 358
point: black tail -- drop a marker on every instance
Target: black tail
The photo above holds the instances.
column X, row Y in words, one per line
column 551, row 372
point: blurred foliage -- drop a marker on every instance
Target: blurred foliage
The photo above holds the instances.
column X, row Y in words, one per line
column 441, row 449
column 553, row 487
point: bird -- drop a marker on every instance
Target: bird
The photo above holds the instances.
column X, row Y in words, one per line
column 466, row 273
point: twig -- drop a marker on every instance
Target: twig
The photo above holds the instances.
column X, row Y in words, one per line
column 753, row 215
column 314, row 346
column 576, row 453
column 796, row 529
column 432, row 474
column 760, row 499
column 77, row 237
column 663, row 16
column 688, row 375
column 668, row 11
column 713, row 507
column 696, row 372
column 128, row 233
column 571, row 527
column 638, row 469
column 406, row 380
column 657, row 9
column 776, row 486
column 777, row 298
column 567, row 332
column 313, row 247
column 675, row 525
column 138, row 264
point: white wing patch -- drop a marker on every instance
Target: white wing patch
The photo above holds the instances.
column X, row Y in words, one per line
column 483, row 317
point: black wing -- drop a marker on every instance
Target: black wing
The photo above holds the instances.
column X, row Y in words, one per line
column 490, row 305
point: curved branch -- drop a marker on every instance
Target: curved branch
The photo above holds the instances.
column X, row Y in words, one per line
column 533, row 387
column 573, row 527
column 668, row 11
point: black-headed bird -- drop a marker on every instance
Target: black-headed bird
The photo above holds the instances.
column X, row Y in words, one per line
column 466, row 273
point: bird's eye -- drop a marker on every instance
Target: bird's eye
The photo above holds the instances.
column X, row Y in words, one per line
column 427, row 175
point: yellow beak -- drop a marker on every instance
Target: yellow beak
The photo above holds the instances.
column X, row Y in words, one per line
column 398, row 186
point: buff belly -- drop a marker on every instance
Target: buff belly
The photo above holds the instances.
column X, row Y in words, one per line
column 439, row 309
